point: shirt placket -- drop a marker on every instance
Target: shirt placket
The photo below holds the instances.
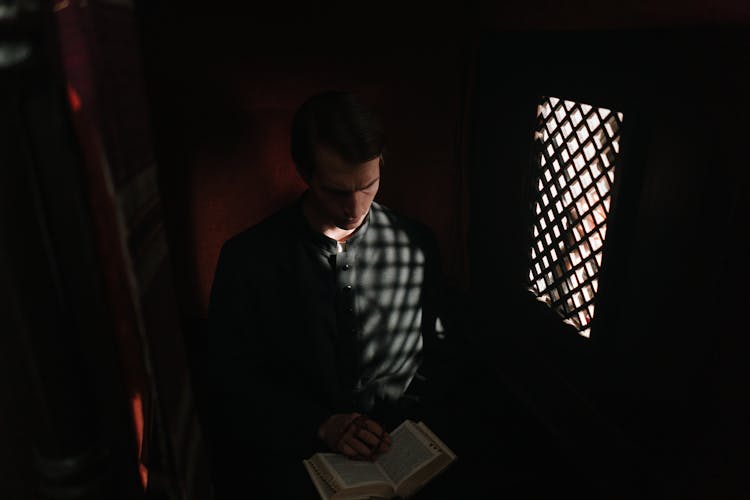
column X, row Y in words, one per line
column 346, row 281
column 349, row 328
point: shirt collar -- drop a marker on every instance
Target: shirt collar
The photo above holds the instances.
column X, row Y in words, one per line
column 321, row 240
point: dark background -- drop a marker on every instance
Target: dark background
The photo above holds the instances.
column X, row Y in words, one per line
column 652, row 405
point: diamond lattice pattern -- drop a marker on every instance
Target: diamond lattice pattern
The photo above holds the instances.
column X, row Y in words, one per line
column 577, row 145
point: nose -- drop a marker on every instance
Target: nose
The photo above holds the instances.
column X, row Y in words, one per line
column 350, row 208
column 354, row 206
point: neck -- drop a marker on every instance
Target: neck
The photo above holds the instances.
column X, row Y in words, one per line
column 318, row 223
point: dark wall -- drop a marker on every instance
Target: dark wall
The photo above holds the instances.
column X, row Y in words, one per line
column 224, row 83
column 64, row 418
column 651, row 391
column 684, row 278
column 658, row 389
column 224, row 89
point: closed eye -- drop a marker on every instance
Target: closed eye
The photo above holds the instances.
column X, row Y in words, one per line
column 344, row 192
column 370, row 184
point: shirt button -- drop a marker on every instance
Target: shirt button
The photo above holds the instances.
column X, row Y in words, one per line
column 346, row 267
column 348, row 288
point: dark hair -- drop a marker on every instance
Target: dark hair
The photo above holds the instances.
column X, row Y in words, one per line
column 339, row 121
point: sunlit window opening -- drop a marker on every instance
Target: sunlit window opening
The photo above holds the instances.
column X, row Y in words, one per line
column 577, row 148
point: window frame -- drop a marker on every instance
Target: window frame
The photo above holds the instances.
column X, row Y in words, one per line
column 509, row 85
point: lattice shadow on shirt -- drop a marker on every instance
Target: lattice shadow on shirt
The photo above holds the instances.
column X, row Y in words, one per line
column 392, row 276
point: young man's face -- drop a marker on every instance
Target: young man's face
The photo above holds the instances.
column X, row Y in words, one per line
column 343, row 192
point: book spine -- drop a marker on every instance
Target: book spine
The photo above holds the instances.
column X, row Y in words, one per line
column 327, row 478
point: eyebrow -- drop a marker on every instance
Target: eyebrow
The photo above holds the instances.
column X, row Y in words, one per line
column 338, row 190
column 376, row 179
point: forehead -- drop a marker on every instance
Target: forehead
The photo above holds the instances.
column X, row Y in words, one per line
column 333, row 170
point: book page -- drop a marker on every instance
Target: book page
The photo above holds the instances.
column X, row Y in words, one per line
column 353, row 472
column 408, row 453
column 436, row 441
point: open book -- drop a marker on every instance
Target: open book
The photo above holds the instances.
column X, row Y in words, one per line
column 415, row 457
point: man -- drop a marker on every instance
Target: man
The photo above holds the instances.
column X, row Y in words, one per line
column 321, row 315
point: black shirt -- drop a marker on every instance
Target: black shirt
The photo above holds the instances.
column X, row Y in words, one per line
column 298, row 332
column 375, row 297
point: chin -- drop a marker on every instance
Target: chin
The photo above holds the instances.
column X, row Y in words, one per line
column 349, row 225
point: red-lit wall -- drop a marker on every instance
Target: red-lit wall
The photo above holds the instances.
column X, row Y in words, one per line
column 224, row 110
column 224, row 86
column 223, row 91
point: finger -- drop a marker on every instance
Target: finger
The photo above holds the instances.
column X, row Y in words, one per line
column 359, row 447
column 384, row 447
column 378, row 444
column 385, row 443
column 352, row 421
column 379, row 432
column 376, row 452
column 347, row 450
column 372, row 440
column 373, row 427
column 388, row 439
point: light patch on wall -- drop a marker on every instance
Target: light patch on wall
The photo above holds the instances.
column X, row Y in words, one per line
column 577, row 148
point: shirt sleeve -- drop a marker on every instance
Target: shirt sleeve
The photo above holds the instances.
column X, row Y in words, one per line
column 439, row 328
column 251, row 409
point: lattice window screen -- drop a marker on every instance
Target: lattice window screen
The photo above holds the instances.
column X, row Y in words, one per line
column 577, row 146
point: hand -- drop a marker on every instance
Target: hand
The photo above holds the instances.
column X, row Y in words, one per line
column 355, row 436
